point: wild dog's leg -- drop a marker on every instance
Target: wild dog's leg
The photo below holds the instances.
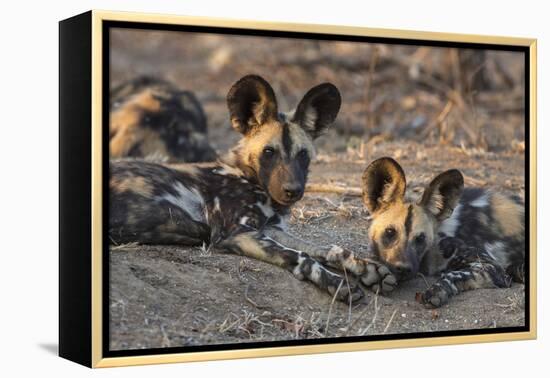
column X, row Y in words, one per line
column 372, row 274
column 253, row 243
column 517, row 272
column 468, row 268
column 135, row 218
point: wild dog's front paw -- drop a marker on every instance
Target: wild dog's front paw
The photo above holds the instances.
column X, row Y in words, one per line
column 436, row 296
column 378, row 277
column 372, row 274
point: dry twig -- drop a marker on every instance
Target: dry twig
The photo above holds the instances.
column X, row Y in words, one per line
column 330, row 308
column 389, row 321
column 330, row 188
column 251, row 301
column 438, row 120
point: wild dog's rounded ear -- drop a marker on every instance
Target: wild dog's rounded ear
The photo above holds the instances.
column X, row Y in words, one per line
column 383, row 183
column 318, row 109
column 251, row 102
column 442, row 195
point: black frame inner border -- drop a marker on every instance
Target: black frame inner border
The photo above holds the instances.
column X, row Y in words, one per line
column 107, row 25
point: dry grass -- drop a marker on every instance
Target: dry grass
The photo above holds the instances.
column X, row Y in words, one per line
column 515, row 303
column 125, row 247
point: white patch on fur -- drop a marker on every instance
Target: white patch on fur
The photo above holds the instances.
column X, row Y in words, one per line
column 283, row 223
column 497, row 251
column 450, row 225
column 453, row 276
column 316, row 272
column 266, row 209
column 477, row 265
column 451, row 285
column 243, row 220
column 217, row 204
column 298, row 268
column 189, row 200
column 481, row 201
column 226, row 170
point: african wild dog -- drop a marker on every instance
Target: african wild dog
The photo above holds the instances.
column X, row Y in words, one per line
column 151, row 118
column 240, row 203
column 474, row 237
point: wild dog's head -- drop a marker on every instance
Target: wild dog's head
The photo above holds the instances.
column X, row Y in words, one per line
column 276, row 148
column 402, row 231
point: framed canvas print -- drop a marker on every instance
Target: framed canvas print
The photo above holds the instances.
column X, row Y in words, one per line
column 235, row 189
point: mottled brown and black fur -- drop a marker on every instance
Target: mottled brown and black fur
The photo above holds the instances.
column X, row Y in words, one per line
column 240, row 203
column 474, row 238
column 151, row 118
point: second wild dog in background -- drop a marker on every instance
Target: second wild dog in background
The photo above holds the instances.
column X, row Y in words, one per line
column 151, row 118
column 473, row 237
column 240, row 204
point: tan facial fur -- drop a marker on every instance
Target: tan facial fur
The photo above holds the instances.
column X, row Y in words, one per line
column 277, row 148
column 395, row 216
column 270, row 135
column 403, row 231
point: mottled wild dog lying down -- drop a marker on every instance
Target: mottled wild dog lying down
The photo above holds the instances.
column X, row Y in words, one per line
column 240, row 203
column 151, row 118
column 473, row 237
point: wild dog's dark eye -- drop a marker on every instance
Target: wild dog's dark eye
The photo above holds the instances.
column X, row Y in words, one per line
column 389, row 233
column 420, row 239
column 389, row 236
column 302, row 154
column 269, row 152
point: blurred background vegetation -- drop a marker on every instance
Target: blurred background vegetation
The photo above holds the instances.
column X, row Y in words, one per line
column 469, row 99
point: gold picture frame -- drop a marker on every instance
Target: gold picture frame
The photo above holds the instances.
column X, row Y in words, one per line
column 82, row 288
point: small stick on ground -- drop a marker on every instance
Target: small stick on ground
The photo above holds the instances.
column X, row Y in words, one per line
column 330, row 308
column 376, row 309
column 251, row 301
column 349, row 296
column 389, row 322
column 327, row 201
column 113, row 241
column 124, row 246
column 329, row 188
column 360, row 316
column 165, row 339
column 424, row 278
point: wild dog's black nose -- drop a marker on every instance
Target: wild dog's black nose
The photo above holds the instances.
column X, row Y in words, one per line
column 293, row 192
column 402, row 269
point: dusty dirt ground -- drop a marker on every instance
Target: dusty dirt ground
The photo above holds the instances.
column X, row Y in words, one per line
column 408, row 102
column 174, row 296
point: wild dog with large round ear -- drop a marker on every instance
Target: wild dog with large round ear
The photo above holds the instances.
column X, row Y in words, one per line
column 475, row 237
column 277, row 148
column 240, row 203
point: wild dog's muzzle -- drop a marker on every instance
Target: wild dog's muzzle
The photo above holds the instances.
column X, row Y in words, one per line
column 287, row 184
column 406, row 268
